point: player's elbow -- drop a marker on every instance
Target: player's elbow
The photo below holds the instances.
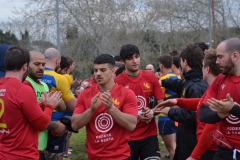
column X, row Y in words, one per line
column 71, row 104
column 74, row 125
column 132, row 125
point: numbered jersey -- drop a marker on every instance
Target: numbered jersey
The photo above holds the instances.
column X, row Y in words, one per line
column 18, row 107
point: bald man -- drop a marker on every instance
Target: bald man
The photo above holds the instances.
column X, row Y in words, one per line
column 150, row 68
column 57, row 82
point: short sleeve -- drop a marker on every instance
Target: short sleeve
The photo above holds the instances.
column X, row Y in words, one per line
column 28, row 103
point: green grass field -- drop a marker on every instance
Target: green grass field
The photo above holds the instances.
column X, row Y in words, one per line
column 77, row 143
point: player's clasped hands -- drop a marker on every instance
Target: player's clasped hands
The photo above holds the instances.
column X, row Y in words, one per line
column 145, row 115
column 51, row 98
column 101, row 97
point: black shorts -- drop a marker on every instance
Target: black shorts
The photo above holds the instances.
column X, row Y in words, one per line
column 225, row 154
column 166, row 127
column 208, row 155
column 145, row 149
column 56, row 144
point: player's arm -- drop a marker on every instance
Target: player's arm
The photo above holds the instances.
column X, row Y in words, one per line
column 188, row 103
column 67, row 95
column 61, row 106
column 182, row 115
column 204, row 141
column 37, row 118
column 235, row 111
column 123, row 118
column 173, row 84
column 206, row 115
column 57, row 127
column 81, row 118
column 71, row 104
column 224, row 107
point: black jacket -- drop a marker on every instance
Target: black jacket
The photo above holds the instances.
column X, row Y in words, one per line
column 192, row 86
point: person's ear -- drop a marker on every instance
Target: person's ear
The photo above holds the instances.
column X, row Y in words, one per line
column 236, row 55
column 25, row 67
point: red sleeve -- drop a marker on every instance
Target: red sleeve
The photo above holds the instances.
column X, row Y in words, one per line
column 130, row 105
column 80, row 106
column 188, row 103
column 204, row 141
column 43, row 121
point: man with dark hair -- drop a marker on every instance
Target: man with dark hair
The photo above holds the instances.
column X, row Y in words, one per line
column 218, row 97
column 192, row 86
column 166, row 126
column 206, row 147
column 202, row 45
column 21, row 117
column 176, row 68
column 64, row 66
column 109, row 112
column 143, row 141
column 174, row 53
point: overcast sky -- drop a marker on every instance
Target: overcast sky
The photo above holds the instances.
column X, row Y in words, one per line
column 6, row 7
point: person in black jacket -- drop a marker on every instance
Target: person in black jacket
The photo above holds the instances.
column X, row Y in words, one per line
column 192, row 86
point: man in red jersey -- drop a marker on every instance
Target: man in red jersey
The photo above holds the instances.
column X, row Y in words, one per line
column 109, row 112
column 228, row 58
column 205, row 148
column 20, row 114
column 143, row 141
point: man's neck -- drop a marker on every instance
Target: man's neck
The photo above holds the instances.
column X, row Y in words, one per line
column 12, row 74
column 106, row 87
column 210, row 79
column 34, row 79
column 50, row 66
column 132, row 73
column 166, row 71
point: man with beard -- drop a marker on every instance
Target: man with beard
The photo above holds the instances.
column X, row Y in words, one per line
column 143, row 141
column 228, row 58
column 36, row 68
column 109, row 112
column 57, row 82
column 21, row 117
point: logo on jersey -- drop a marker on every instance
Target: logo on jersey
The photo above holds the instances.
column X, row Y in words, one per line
column 141, row 102
column 104, row 122
column 147, row 86
column 233, row 119
column 115, row 102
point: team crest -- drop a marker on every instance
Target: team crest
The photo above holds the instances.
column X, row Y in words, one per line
column 115, row 102
column 146, row 86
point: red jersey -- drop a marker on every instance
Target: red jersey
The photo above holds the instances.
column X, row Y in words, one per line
column 18, row 139
column 222, row 85
column 144, row 86
column 105, row 138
